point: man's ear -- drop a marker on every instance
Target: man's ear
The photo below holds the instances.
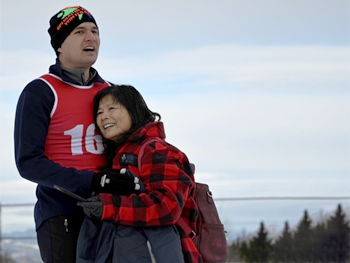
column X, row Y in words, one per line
column 58, row 52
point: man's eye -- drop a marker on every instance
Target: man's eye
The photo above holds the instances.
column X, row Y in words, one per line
column 99, row 112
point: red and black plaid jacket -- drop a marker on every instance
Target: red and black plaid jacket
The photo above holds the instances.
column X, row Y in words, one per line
column 167, row 176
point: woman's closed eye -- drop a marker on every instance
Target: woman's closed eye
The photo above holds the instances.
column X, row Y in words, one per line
column 112, row 108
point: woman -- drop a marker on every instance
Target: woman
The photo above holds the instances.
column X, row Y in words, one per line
column 126, row 123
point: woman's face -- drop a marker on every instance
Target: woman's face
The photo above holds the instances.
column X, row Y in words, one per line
column 113, row 118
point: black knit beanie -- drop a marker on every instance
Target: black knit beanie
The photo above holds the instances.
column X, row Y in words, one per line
column 64, row 22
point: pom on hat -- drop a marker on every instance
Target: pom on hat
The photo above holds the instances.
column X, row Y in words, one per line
column 64, row 22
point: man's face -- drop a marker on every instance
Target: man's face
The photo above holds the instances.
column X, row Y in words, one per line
column 80, row 48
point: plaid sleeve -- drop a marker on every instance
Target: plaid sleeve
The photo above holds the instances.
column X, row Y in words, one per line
column 169, row 181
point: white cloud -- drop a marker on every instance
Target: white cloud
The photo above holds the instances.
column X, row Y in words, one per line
column 14, row 75
column 18, row 190
column 7, row 163
column 273, row 68
column 254, row 132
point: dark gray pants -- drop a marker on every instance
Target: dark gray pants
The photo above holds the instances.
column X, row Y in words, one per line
column 57, row 238
column 98, row 241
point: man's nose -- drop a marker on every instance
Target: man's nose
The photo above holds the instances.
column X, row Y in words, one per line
column 90, row 35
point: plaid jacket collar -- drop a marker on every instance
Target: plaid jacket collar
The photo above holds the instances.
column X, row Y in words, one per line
column 152, row 129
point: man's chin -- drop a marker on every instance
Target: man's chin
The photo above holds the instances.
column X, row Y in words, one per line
column 90, row 61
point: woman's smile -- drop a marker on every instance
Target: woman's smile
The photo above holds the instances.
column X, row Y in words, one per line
column 113, row 118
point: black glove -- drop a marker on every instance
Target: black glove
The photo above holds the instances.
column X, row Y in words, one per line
column 117, row 182
column 93, row 207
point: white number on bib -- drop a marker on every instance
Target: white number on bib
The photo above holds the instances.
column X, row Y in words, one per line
column 93, row 143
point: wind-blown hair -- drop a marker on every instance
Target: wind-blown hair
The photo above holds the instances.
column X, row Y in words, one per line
column 135, row 104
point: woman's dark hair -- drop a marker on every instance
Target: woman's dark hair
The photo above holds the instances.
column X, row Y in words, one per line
column 135, row 104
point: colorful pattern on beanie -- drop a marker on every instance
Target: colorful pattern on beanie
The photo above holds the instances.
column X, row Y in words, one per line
column 70, row 13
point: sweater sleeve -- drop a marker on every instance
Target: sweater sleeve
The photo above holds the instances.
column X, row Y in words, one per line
column 32, row 121
column 168, row 179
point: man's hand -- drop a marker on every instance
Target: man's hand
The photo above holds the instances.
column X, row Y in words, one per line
column 93, row 207
column 117, row 182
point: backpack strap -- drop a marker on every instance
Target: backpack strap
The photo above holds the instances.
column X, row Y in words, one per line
column 181, row 222
column 142, row 150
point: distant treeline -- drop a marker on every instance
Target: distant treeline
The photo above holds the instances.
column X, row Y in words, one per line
column 326, row 242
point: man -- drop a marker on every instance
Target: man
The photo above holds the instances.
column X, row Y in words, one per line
column 55, row 138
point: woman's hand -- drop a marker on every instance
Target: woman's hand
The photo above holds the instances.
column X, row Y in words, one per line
column 117, row 182
column 93, row 207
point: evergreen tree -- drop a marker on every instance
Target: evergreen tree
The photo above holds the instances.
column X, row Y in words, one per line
column 318, row 246
column 327, row 242
column 283, row 246
column 234, row 251
column 260, row 247
column 244, row 252
column 337, row 239
column 302, row 240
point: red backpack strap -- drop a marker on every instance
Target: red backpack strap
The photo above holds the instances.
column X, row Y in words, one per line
column 142, row 150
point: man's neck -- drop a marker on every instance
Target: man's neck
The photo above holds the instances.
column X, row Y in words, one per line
column 77, row 75
column 80, row 75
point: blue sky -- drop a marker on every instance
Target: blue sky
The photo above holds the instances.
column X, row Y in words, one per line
column 255, row 92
